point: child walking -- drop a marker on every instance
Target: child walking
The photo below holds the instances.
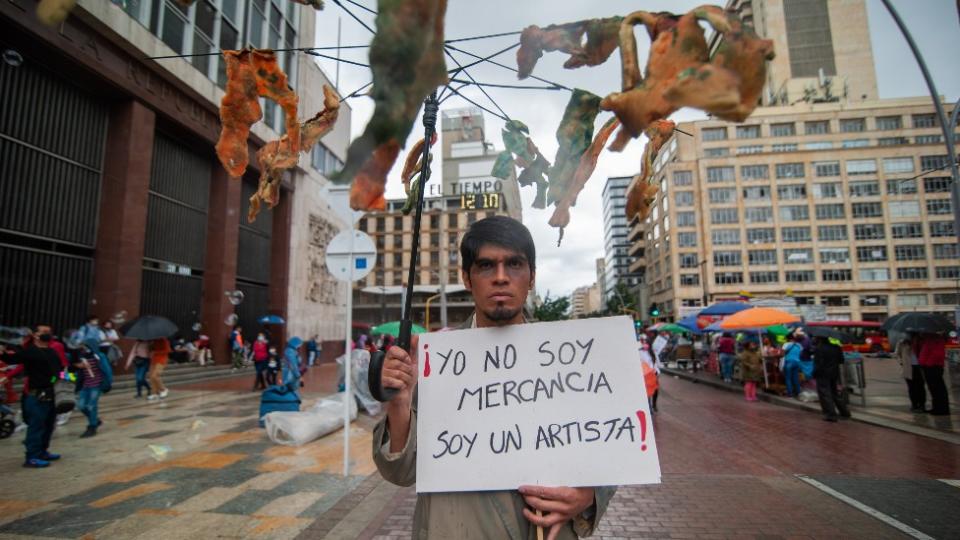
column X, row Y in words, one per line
column 751, row 369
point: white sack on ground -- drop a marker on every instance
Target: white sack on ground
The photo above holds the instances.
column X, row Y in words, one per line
column 299, row 428
column 359, row 367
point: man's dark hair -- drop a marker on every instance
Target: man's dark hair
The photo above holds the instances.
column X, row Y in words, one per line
column 502, row 231
column 91, row 317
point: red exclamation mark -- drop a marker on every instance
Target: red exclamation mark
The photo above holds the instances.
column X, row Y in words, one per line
column 643, row 429
column 426, row 364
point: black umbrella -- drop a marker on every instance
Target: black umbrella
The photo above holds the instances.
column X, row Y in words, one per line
column 827, row 332
column 918, row 323
column 149, row 327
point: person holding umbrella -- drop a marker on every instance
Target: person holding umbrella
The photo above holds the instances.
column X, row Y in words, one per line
column 931, row 351
column 159, row 355
column 910, row 369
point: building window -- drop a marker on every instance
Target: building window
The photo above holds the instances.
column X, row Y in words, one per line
column 723, row 216
column 381, row 224
column 683, row 199
column 832, row 233
column 898, row 165
column 751, row 149
column 818, row 127
column 874, row 274
column 714, row 134
column 686, row 239
column 855, row 143
column 783, row 130
column 762, row 256
column 748, row 132
column 784, row 147
column 946, row 299
column 904, row 209
column 868, row 231
column 910, row 252
column 834, row 255
column 888, row 122
column 758, row 215
column 868, row 188
column 941, row 229
column 398, row 241
column 871, row 253
column 793, row 191
column 755, row 172
column 911, row 300
column 892, row 141
column 716, row 152
column 902, row 187
column 929, row 139
column 689, row 280
column 726, row 237
column 765, row 277
column 761, row 236
column 798, row 256
column 818, row 145
column 851, row 125
column 861, row 166
column 728, row 278
column 686, row 219
column 932, row 163
column 727, row 258
column 937, row 184
column 789, row 170
column 799, row 276
column 830, row 211
column 794, row 213
column 939, row 207
column 722, row 195
column 946, row 251
column 913, row 272
column 947, row 272
column 720, row 174
column 826, row 168
column 683, row 178
column 867, row 210
column 907, row 230
column 836, row 275
column 795, row 234
column 835, row 301
column 924, row 120
column 689, row 260
column 831, row 190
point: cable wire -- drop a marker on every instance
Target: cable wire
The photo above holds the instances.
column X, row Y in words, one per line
column 354, row 17
column 474, row 103
column 483, row 37
column 506, row 67
column 474, row 81
column 345, row 61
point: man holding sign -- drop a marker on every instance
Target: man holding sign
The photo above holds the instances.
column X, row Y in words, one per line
column 467, row 488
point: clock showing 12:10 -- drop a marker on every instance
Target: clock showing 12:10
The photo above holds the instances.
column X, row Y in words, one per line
column 480, row 201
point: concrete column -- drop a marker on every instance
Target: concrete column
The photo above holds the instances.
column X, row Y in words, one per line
column 118, row 262
column 280, row 263
column 220, row 269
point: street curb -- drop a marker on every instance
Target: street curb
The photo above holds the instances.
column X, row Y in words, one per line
column 858, row 416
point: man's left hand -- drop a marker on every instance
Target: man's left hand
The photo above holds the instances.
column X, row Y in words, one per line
column 559, row 504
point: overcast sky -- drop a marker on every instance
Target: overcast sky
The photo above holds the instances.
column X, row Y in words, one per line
column 933, row 23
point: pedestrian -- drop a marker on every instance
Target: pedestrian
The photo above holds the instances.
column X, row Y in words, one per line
column 236, row 347
column 727, row 348
column 791, row 365
column 98, row 378
column 931, row 350
column 498, row 269
column 751, row 369
column 260, row 357
column 650, row 371
column 159, row 356
column 313, row 350
column 912, row 373
column 108, row 345
column 140, row 358
column 827, row 358
column 41, row 365
column 273, row 365
column 91, row 330
column 291, row 363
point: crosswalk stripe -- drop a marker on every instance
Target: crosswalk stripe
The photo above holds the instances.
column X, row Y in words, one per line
column 889, row 520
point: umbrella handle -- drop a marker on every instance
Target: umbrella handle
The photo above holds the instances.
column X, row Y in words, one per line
column 375, row 381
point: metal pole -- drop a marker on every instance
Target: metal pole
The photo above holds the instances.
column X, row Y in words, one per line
column 944, row 126
column 444, row 271
column 347, row 394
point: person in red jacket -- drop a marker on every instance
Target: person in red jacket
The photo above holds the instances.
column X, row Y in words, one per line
column 931, row 351
column 260, row 356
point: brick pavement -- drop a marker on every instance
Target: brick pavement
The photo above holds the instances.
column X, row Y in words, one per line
column 729, row 472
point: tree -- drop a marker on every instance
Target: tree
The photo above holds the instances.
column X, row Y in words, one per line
column 553, row 309
column 621, row 298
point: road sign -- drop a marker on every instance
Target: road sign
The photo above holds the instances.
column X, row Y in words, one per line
column 342, row 257
column 338, row 197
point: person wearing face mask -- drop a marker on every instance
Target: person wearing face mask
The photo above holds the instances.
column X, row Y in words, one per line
column 41, row 366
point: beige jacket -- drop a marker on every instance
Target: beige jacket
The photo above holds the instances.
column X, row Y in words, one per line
column 482, row 514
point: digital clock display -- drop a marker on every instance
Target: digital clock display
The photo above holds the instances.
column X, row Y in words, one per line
column 480, row 201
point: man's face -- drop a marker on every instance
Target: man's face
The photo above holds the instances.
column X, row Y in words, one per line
column 499, row 280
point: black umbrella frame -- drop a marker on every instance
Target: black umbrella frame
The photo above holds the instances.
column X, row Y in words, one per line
column 918, row 323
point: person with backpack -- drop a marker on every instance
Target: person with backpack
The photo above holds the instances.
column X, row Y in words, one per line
column 97, row 380
column 791, row 365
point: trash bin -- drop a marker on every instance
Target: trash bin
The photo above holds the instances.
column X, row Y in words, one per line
column 853, row 377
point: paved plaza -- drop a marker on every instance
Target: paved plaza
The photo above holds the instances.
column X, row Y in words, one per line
column 197, row 466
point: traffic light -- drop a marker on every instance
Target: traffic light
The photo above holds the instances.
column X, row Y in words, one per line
column 654, row 311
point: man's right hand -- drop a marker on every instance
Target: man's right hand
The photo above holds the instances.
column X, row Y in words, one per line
column 399, row 372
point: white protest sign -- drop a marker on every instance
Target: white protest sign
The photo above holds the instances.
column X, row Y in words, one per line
column 553, row 404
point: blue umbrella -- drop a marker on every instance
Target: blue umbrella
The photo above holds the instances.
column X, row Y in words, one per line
column 271, row 319
column 690, row 323
column 725, row 308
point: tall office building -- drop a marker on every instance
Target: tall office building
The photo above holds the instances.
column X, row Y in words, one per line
column 617, row 260
column 466, row 192
column 828, row 198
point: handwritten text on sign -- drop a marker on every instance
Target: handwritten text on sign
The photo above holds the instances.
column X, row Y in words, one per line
column 554, row 404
